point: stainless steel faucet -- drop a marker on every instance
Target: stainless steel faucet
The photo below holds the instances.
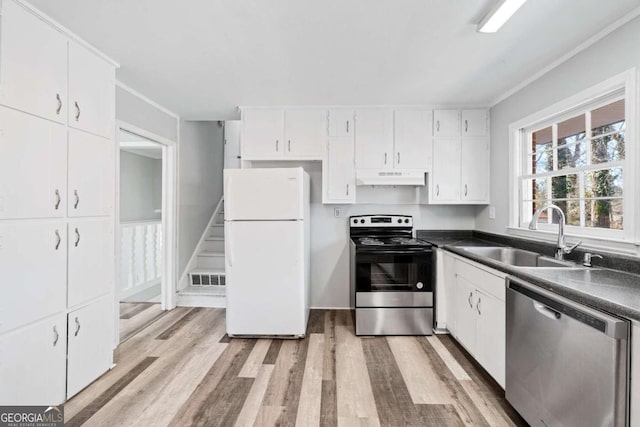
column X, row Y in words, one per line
column 561, row 247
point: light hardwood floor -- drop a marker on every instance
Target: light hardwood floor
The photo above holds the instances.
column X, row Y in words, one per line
column 183, row 370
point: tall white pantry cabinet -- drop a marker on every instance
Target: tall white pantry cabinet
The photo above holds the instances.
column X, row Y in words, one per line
column 57, row 198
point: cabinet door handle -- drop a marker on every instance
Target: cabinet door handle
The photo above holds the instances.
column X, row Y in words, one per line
column 58, row 240
column 77, row 327
column 77, row 237
column 59, row 108
column 437, row 189
column 289, row 145
column 77, row 196
column 77, row 111
column 347, row 126
column 469, row 299
column 465, row 189
column 56, row 335
column 347, row 189
column 438, row 126
column 277, row 142
column 385, row 158
column 398, row 157
column 466, row 125
column 478, row 306
column 58, row 199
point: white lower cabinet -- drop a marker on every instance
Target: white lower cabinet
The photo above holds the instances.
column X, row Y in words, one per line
column 89, row 344
column 33, row 266
column 477, row 313
column 36, row 374
column 90, row 259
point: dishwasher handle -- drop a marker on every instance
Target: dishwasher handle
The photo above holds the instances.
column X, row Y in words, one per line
column 550, row 303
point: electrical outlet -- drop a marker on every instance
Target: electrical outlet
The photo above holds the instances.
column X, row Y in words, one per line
column 337, row 212
column 492, row 212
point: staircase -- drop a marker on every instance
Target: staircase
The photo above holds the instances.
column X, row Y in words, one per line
column 206, row 279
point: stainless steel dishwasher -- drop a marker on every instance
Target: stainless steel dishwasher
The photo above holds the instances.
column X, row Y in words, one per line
column 567, row 364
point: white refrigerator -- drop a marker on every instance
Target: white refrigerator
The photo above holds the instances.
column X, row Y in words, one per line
column 266, row 227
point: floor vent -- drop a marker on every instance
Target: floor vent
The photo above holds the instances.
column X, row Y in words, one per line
column 203, row 279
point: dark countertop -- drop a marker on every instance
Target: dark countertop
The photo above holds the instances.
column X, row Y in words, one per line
column 613, row 291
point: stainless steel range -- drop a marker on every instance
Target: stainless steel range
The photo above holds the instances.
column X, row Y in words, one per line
column 392, row 278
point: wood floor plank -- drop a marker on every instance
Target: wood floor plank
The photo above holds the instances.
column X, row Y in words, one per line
column 352, row 376
column 448, row 358
column 249, row 413
column 209, row 403
column 100, row 401
column 485, row 392
column 423, row 383
column 329, row 368
column 179, row 365
column 272, row 355
column 316, row 322
column 311, row 387
column 466, row 408
column 225, row 339
column 136, row 309
column 131, row 326
column 171, row 330
column 254, row 362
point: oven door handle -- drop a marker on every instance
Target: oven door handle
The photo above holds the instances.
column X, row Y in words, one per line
column 394, row 251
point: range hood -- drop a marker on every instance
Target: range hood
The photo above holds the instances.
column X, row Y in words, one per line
column 374, row 177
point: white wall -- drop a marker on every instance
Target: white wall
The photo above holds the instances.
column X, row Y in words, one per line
column 200, row 164
column 330, row 235
column 140, row 187
column 135, row 111
column 612, row 55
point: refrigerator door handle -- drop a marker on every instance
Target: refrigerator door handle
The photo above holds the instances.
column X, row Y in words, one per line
column 227, row 239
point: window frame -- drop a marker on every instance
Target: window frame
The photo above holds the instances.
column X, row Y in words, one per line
column 623, row 85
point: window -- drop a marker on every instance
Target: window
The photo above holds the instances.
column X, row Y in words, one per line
column 577, row 163
column 580, row 155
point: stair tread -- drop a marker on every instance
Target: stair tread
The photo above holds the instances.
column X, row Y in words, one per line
column 208, row 271
column 211, row 254
column 214, row 239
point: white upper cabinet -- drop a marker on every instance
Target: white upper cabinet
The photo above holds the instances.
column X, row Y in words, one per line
column 90, row 247
column 33, row 64
column 446, row 123
column 341, row 123
column 374, row 139
column 33, row 266
column 461, row 160
column 305, row 131
column 412, row 139
column 91, row 92
column 276, row 134
column 33, row 166
column 33, row 363
column 91, row 180
column 474, row 169
column 262, row 134
column 444, row 179
column 339, row 175
column 474, row 122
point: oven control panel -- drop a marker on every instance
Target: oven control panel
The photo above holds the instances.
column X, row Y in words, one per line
column 381, row 221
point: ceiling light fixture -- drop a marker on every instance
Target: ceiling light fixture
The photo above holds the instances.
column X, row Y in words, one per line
column 500, row 13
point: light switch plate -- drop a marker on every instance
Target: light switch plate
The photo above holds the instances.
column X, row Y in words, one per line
column 337, row 212
column 492, row 212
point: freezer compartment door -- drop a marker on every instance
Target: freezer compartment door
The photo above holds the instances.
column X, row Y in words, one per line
column 265, row 266
column 265, row 194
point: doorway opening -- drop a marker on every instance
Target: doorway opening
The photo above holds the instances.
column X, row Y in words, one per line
column 146, row 230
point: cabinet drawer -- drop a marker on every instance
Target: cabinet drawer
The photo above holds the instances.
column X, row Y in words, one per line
column 90, row 344
column 33, row 271
column 482, row 279
column 33, row 363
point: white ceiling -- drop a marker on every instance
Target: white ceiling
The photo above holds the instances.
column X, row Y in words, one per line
column 203, row 58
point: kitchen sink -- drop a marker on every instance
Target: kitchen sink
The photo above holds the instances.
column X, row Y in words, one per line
column 517, row 257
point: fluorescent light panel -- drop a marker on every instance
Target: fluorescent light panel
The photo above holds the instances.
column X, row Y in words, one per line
column 499, row 15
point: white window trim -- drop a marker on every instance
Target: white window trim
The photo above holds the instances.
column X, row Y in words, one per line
column 628, row 241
